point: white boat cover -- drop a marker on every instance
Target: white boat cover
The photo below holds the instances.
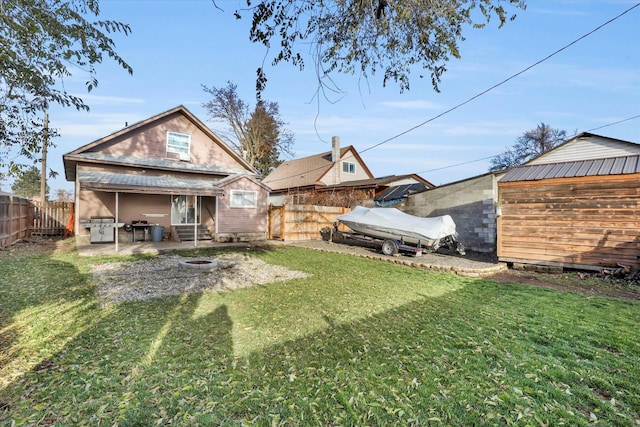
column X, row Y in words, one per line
column 385, row 219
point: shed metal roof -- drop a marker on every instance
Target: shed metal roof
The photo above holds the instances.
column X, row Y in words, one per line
column 598, row 167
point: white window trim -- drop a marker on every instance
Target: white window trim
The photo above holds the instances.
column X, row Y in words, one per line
column 349, row 167
column 232, row 193
column 179, row 150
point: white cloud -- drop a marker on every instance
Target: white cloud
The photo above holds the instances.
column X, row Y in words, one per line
column 411, row 105
column 97, row 126
column 91, row 99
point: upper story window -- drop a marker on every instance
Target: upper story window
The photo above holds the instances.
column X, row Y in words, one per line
column 244, row 199
column 179, row 143
column 348, row 167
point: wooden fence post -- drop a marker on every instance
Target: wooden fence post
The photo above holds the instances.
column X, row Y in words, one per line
column 283, row 223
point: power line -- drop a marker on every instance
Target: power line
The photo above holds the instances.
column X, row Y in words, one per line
column 501, row 83
column 485, row 92
column 614, row 123
column 491, row 157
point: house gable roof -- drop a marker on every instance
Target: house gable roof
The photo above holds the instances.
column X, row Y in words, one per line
column 91, row 152
column 224, row 182
column 307, row 171
column 586, row 146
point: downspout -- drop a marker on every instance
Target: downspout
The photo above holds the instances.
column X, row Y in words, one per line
column 116, row 223
column 215, row 220
column 76, row 208
column 195, row 221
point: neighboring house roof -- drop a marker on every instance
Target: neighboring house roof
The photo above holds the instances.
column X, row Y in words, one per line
column 136, row 183
column 387, row 180
column 399, row 192
column 384, row 181
column 306, row 171
column 597, row 167
column 89, row 152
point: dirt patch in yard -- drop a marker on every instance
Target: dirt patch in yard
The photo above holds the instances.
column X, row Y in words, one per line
column 588, row 283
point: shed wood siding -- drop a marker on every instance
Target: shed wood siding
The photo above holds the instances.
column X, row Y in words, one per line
column 586, row 222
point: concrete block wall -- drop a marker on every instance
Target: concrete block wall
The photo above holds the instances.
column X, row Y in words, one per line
column 472, row 205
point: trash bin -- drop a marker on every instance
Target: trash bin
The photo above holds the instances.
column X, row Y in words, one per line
column 156, row 233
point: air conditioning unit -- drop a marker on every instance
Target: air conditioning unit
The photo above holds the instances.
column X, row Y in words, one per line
column 185, row 157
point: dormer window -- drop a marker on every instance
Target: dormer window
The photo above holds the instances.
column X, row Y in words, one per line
column 180, row 144
column 348, row 167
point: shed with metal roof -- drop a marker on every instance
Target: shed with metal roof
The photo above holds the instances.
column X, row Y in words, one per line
column 582, row 213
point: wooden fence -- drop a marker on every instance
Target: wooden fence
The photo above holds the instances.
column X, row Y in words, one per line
column 14, row 219
column 51, row 218
column 301, row 222
column 22, row 218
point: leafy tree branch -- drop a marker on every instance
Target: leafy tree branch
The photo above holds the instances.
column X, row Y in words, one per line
column 369, row 37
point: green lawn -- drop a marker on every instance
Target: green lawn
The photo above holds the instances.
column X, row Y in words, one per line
column 359, row 342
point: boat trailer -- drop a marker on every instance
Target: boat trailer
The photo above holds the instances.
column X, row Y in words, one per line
column 389, row 246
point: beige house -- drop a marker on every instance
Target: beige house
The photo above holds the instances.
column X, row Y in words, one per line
column 168, row 174
column 334, row 178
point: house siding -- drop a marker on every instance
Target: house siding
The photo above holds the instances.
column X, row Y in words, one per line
column 149, row 141
column 156, row 209
column 242, row 223
column 337, row 176
column 587, row 148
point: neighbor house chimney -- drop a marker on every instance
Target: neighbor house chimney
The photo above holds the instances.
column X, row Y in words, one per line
column 335, row 158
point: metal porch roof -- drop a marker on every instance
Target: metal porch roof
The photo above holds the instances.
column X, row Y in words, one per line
column 149, row 184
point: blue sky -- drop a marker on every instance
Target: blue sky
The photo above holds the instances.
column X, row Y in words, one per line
column 176, row 46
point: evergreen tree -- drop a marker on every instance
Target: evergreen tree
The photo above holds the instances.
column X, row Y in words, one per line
column 27, row 184
column 259, row 136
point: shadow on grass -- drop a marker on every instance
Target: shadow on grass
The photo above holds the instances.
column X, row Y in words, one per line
column 36, row 286
column 472, row 356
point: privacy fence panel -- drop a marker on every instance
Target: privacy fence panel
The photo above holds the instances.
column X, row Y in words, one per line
column 22, row 218
column 51, row 218
column 14, row 219
column 301, row 222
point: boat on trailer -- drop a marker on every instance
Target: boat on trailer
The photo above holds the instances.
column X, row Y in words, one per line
column 395, row 231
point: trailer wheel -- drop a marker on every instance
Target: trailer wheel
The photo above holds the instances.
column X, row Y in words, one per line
column 390, row 247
